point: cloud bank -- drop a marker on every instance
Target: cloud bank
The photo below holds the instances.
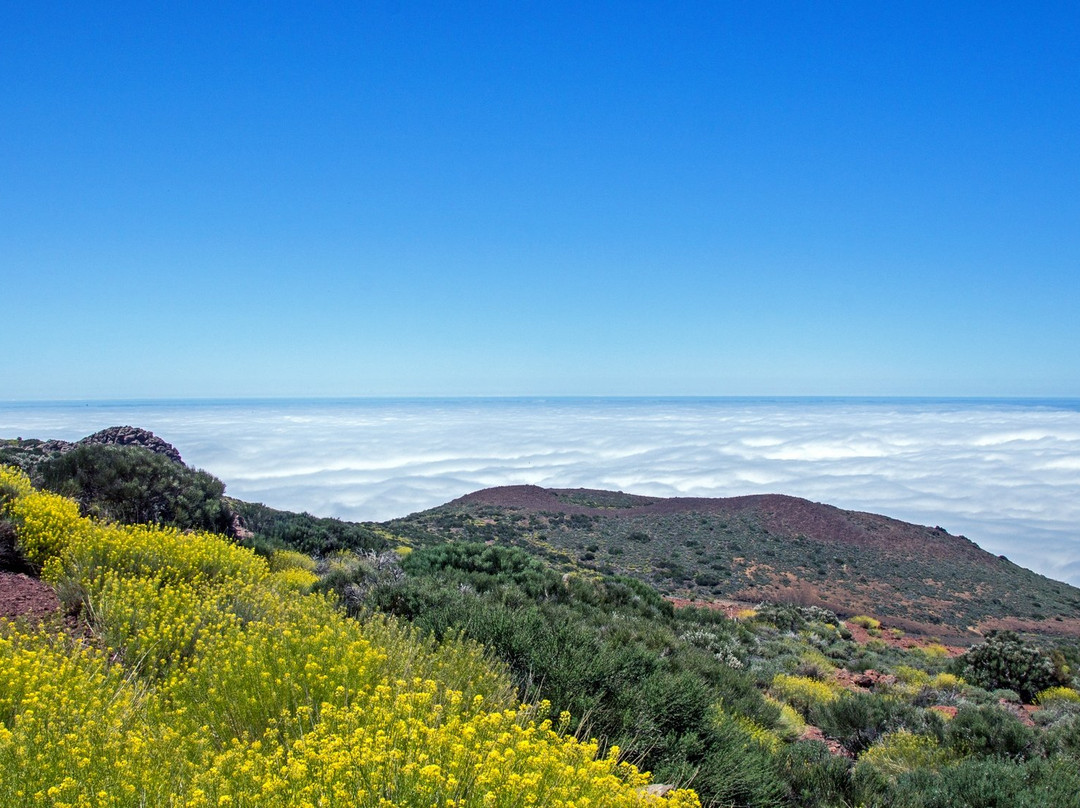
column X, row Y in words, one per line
column 1006, row 475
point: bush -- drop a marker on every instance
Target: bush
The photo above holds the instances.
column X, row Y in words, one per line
column 309, row 534
column 902, row 751
column 988, row 784
column 815, row 778
column 289, row 560
column 858, row 720
column 1055, row 694
column 865, row 621
column 132, row 485
column 989, row 732
column 1004, row 661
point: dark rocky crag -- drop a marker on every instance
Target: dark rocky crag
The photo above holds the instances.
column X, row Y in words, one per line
column 121, row 436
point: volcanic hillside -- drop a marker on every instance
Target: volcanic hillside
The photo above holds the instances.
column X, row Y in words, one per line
column 767, row 547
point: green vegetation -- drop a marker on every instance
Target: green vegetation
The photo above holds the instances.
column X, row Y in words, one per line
column 612, row 653
column 779, row 707
column 745, row 555
column 132, row 485
column 720, row 704
column 1004, row 661
column 272, row 529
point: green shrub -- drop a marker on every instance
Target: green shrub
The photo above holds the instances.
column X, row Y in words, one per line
column 133, row 485
column 1063, row 737
column 987, row 784
column 865, row 621
column 858, row 720
column 1005, row 661
column 902, row 751
column 989, row 732
column 274, row 529
column 815, row 778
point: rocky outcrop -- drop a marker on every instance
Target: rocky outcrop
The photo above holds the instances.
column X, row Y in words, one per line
column 134, row 436
column 118, row 436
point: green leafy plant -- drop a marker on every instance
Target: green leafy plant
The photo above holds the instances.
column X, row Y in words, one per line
column 1006, row 661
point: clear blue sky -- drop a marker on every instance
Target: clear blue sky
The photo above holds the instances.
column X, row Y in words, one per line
column 264, row 199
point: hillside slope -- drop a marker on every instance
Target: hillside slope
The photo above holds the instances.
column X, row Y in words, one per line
column 767, row 547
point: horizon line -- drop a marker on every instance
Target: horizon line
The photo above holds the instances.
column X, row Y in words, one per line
column 135, row 400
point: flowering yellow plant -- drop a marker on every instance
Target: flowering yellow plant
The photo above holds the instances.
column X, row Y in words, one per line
column 208, row 680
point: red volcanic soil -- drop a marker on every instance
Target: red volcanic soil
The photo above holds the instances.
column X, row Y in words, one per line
column 23, row 596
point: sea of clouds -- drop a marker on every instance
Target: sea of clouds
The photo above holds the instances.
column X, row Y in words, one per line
column 1004, row 473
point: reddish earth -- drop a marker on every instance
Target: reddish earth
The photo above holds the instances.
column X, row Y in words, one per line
column 812, row 733
column 864, row 681
column 23, row 596
column 1063, row 626
column 730, row 608
column 1023, row 712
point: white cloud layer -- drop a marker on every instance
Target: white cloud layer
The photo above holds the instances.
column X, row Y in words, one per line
column 1007, row 475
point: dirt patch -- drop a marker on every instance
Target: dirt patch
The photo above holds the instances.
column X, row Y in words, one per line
column 23, row 596
column 730, row 608
column 812, row 733
column 864, row 681
column 947, row 711
column 1022, row 712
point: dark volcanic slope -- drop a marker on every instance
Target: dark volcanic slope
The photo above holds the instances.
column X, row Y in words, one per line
column 767, row 547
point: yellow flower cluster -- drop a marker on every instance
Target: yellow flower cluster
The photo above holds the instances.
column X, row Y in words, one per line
column 281, row 560
column 865, row 621
column 72, row 728
column 802, row 692
column 791, row 725
column 1052, row 694
column 902, row 751
column 210, row 680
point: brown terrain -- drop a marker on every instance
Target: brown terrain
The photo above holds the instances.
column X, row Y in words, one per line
column 23, row 596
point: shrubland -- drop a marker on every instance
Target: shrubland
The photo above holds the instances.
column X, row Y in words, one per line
column 725, row 704
column 352, row 663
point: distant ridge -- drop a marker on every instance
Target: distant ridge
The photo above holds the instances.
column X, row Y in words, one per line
column 769, row 547
column 782, row 514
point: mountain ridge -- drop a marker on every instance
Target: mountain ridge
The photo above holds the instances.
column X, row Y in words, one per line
column 768, row 547
column 814, row 519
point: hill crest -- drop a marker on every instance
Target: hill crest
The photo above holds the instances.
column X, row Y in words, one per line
column 767, row 547
column 782, row 513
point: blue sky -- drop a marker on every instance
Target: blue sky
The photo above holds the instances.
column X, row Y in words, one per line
column 506, row 199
